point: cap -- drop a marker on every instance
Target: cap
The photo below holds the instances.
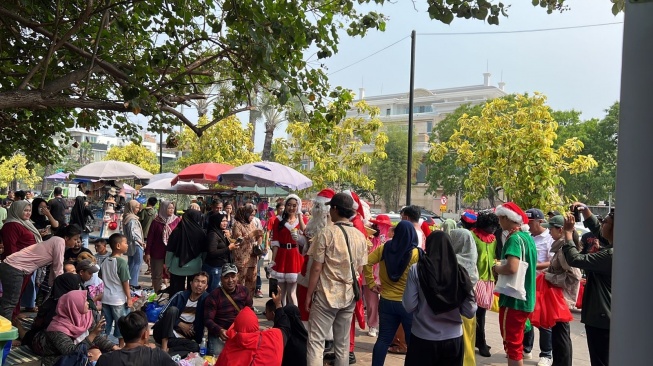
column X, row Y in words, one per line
column 535, row 214
column 342, row 200
column 556, row 221
column 553, row 213
column 229, row 268
column 87, row 266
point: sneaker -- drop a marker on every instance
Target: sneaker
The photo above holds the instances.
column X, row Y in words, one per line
column 373, row 332
column 545, row 361
column 258, row 294
column 528, row 355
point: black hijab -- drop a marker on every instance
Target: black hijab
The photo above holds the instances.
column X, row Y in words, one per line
column 188, row 240
column 444, row 283
column 77, row 212
column 398, row 251
column 215, row 219
column 40, row 221
column 62, row 285
column 295, row 352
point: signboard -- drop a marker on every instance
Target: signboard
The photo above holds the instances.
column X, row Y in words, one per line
column 443, row 208
column 443, row 200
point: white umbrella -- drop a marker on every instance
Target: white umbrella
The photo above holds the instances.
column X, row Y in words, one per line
column 111, row 170
column 160, row 176
column 163, row 186
column 265, row 174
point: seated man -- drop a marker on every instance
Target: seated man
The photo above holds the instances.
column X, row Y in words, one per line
column 222, row 306
column 248, row 345
column 181, row 323
column 136, row 352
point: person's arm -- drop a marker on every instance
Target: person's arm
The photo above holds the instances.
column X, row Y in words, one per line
column 543, row 265
column 468, row 307
column 410, row 299
column 511, row 266
column 123, row 274
column 317, row 252
column 368, row 269
column 600, row 261
column 53, row 222
column 58, row 250
column 281, row 320
column 210, row 312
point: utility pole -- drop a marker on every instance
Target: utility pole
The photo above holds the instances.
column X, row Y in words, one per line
column 411, row 99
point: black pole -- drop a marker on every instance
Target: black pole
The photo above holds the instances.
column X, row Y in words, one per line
column 161, row 152
column 411, row 99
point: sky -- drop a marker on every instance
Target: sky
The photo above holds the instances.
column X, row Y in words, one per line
column 575, row 68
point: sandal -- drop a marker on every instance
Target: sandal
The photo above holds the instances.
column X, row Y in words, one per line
column 395, row 350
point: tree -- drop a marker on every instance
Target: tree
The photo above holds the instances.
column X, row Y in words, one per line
column 226, row 142
column 17, row 168
column 328, row 147
column 445, row 175
column 510, row 148
column 273, row 115
column 138, row 155
column 390, row 174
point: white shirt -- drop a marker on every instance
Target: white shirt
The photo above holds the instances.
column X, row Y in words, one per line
column 188, row 316
column 543, row 244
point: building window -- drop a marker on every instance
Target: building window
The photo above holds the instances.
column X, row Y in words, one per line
column 387, row 112
column 429, row 127
column 421, row 174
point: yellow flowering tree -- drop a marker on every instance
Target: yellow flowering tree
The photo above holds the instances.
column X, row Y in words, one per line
column 327, row 147
column 510, row 147
column 138, row 155
column 224, row 142
column 16, row 167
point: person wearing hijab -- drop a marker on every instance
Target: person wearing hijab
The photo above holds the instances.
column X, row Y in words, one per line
column 219, row 248
column 438, row 292
column 448, row 225
column 245, row 262
column 74, row 324
column 185, row 251
column 43, row 220
column 157, row 240
column 395, row 258
column 294, row 353
column 247, row 345
column 80, row 215
column 462, row 241
column 133, row 231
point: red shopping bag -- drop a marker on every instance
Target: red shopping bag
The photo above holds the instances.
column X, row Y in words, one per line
column 550, row 305
column 581, row 291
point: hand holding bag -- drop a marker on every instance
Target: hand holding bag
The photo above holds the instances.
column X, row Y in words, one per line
column 514, row 285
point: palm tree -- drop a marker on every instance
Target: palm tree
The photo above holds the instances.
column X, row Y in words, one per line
column 273, row 115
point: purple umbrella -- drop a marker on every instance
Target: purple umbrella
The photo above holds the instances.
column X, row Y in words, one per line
column 265, row 174
column 58, row 176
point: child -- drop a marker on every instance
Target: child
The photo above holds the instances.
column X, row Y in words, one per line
column 94, row 285
column 69, row 267
column 116, row 299
column 101, row 251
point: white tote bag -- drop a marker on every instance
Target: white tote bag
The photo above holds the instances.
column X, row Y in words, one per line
column 513, row 285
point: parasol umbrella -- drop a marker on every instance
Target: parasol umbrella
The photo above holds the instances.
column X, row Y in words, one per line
column 128, row 188
column 202, row 173
column 266, row 174
column 160, row 176
column 111, row 170
column 58, row 176
column 164, row 186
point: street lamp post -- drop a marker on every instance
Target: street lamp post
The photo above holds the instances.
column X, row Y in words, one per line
column 411, row 99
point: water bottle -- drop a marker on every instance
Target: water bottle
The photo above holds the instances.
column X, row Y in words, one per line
column 203, row 347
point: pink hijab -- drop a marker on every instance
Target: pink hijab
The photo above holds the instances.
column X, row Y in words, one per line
column 73, row 316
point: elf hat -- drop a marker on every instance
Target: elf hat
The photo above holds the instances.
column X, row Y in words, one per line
column 325, row 195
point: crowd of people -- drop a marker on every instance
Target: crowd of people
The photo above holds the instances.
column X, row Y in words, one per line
column 332, row 269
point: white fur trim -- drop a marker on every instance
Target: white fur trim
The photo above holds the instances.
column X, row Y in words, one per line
column 510, row 214
column 320, row 199
column 355, row 206
column 274, row 243
column 290, row 226
column 285, row 277
column 299, row 202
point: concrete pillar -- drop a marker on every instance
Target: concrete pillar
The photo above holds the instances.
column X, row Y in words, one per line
column 630, row 336
column 486, row 78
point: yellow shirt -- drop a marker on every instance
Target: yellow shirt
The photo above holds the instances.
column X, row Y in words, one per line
column 390, row 290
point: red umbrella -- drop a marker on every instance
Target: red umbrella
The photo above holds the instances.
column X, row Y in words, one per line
column 204, row 173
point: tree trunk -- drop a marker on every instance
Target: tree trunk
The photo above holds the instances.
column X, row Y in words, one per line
column 46, row 172
column 267, row 144
column 253, row 116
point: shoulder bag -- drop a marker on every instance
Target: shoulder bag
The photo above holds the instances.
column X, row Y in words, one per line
column 357, row 290
column 231, row 300
column 514, row 285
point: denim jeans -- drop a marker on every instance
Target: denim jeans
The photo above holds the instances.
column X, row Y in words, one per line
column 111, row 314
column 391, row 314
column 214, row 276
column 214, row 346
column 546, row 343
column 84, row 238
column 134, row 262
column 12, row 286
column 259, row 283
column 28, row 299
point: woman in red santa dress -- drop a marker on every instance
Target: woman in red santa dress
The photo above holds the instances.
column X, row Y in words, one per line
column 287, row 260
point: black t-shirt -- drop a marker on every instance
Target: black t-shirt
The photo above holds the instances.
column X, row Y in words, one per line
column 140, row 356
column 58, row 210
column 69, row 255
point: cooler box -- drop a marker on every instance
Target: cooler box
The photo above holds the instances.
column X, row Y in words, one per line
column 7, row 334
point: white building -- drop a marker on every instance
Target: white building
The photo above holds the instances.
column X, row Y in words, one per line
column 429, row 108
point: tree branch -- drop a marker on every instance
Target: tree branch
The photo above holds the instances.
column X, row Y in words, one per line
column 68, row 80
column 183, row 119
column 36, row 99
column 210, row 124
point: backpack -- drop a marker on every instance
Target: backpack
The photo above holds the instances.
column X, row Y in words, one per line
column 77, row 358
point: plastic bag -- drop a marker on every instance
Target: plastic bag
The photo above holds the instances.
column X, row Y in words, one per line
column 152, row 311
column 495, row 303
column 550, row 305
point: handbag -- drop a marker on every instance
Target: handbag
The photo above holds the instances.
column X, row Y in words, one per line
column 355, row 284
column 484, row 291
column 514, row 285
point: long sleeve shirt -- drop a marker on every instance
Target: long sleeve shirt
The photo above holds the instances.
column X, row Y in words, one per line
column 390, row 290
column 220, row 313
column 426, row 324
column 35, row 256
column 218, row 252
column 16, row 237
column 155, row 246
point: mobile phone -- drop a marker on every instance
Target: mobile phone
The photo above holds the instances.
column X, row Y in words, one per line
column 239, row 240
column 273, row 283
column 577, row 214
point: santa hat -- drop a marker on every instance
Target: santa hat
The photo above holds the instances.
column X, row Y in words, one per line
column 513, row 212
column 469, row 216
column 325, row 195
column 357, row 203
column 299, row 202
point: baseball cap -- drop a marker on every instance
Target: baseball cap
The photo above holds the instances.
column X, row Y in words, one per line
column 553, row 213
column 535, row 214
column 556, row 221
column 229, row 268
column 87, row 266
column 342, row 200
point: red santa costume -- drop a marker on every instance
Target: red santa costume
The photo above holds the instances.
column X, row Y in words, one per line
column 319, row 220
column 288, row 260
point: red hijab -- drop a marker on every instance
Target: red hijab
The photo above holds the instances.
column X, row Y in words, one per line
column 247, row 345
